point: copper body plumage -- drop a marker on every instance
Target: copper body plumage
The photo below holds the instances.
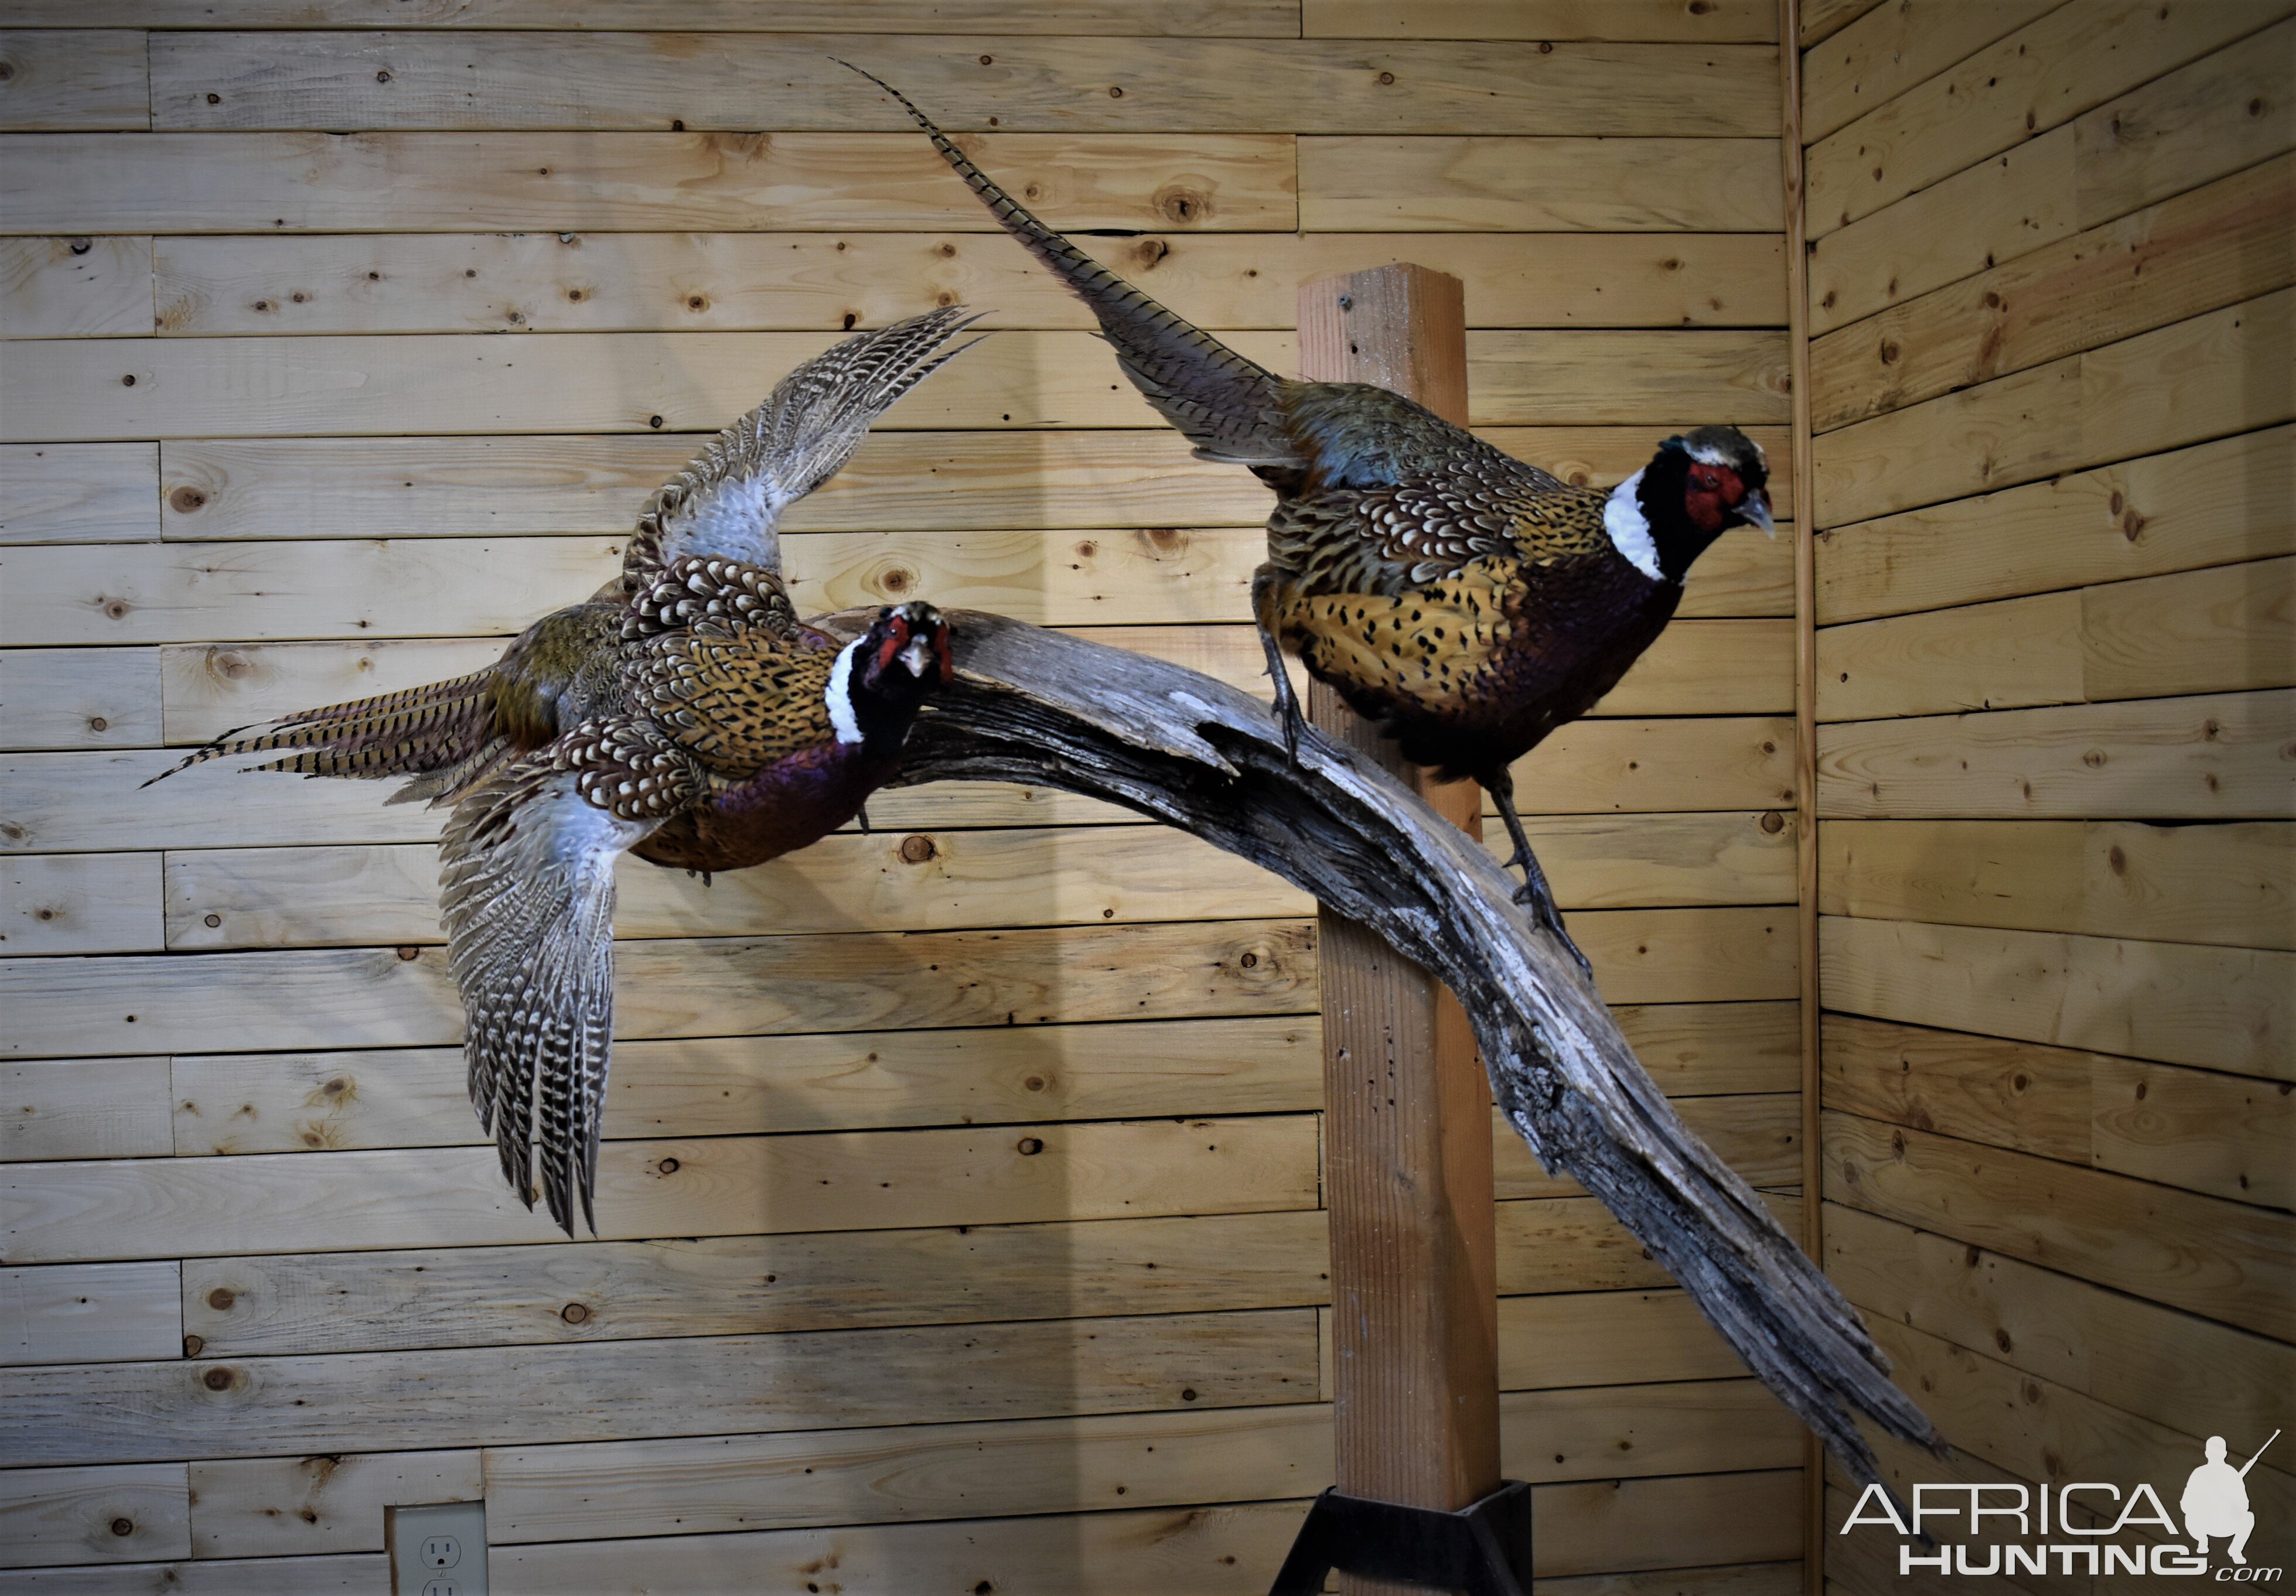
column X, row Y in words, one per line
column 1467, row 602
column 683, row 712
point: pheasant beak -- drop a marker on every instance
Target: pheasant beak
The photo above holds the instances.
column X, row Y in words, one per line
column 1754, row 510
column 918, row 655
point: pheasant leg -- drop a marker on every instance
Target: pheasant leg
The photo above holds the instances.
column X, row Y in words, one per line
column 1287, row 702
column 1534, row 889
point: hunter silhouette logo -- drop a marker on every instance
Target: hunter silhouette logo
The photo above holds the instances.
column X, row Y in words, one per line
column 2215, row 1501
column 2087, row 1527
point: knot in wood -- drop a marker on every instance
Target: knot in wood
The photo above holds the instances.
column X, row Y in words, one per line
column 219, row 1379
column 186, row 499
column 221, row 1298
column 574, row 1313
column 917, row 849
column 123, row 1526
column 1030, row 1146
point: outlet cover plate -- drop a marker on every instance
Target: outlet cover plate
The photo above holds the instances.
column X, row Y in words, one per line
column 437, row 1550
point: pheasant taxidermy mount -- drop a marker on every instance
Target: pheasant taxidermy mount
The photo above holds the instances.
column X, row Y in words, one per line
column 684, row 714
column 1466, row 602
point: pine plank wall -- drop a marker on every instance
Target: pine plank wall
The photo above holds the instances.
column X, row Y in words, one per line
column 2051, row 384
column 961, row 1211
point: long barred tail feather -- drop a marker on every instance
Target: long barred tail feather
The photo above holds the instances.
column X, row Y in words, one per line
column 410, row 733
column 1228, row 406
column 729, row 501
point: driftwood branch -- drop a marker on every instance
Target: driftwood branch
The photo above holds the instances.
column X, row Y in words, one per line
column 1041, row 708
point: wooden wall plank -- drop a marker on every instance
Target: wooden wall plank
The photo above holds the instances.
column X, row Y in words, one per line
column 2233, row 884
column 1568, row 1339
column 2176, row 132
column 1573, row 1244
column 1570, row 376
column 2223, row 628
column 2225, row 1135
column 740, row 985
column 1759, row 1135
column 79, row 493
column 254, row 387
column 1537, row 185
column 450, row 1397
column 78, row 698
column 639, row 281
column 2226, row 241
column 2070, row 59
column 2228, row 1009
column 74, row 287
column 86, row 1109
column 2008, row 654
column 299, row 897
column 2223, row 1260
column 596, row 81
column 90, row 1314
column 112, row 1515
column 94, row 802
column 1732, row 21
column 257, row 387
column 711, row 1186
column 72, row 79
column 292, row 1102
column 2204, row 630
column 2149, row 1359
column 1270, row 19
column 254, row 1577
column 1822, row 18
column 247, row 1307
column 295, row 1507
column 2214, row 503
column 221, row 490
column 81, row 903
column 2160, row 389
column 2039, row 1429
column 629, row 182
column 2218, row 757
column 1869, row 61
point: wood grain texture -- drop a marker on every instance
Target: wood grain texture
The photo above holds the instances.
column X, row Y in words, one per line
column 2157, row 390
column 300, row 1507
column 734, row 282
column 236, row 1576
column 2224, row 1136
column 93, row 1515
column 74, row 287
column 1272, row 19
column 2233, row 884
column 735, row 986
column 2223, row 757
column 1870, row 60
column 2222, row 1260
column 79, row 903
column 2228, row 1008
column 78, row 698
column 2213, row 504
column 84, row 1109
column 622, row 82
column 1822, row 18
column 1629, row 185
column 629, row 182
column 1759, row 1135
column 2068, row 60
column 79, row 493
column 90, row 1314
column 2148, row 1359
column 78, row 79
column 1736, row 22
column 2227, row 241
column 452, row 1397
column 2225, row 628
column 271, row 1103
column 2221, row 114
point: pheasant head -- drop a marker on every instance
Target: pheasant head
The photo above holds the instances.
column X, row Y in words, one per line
column 884, row 676
column 1699, row 486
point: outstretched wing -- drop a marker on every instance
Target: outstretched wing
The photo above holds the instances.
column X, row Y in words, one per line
column 729, row 501
column 527, row 885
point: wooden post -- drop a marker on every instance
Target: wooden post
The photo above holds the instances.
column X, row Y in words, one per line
column 1407, row 1111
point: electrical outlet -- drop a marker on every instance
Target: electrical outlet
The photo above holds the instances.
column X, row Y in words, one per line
column 437, row 1550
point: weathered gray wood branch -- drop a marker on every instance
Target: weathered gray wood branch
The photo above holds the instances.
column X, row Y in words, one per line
column 1039, row 707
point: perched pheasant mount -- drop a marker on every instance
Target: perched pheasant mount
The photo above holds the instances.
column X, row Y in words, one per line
column 1044, row 709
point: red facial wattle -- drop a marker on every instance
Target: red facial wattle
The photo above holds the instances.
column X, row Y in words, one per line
column 941, row 652
column 897, row 637
column 1712, row 493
